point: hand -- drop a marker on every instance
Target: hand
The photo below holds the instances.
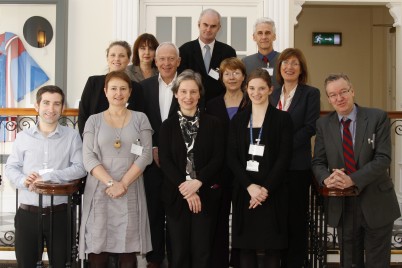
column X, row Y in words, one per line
column 117, row 190
column 258, row 195
column 194, row 203
column 338, row 180
column 155, row 155
column 31, row 178
column 190, row 187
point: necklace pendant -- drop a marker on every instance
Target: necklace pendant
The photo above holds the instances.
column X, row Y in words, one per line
column 117, row 144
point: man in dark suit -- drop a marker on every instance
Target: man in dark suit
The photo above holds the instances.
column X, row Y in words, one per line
column 264, row 35
column 364, row 165
column 204, row 55
column 159, row 105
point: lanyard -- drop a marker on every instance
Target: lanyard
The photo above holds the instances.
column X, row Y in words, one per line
column 251, row 131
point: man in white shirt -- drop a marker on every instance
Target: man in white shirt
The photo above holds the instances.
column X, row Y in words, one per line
column 44, row 152
column 158, row 90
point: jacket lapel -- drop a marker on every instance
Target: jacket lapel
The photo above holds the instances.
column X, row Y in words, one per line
column 361, row 128
column 198, row 55
column 296, row 97
column 336, row 135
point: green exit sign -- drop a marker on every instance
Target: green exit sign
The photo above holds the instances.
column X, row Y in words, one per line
column 327, row 39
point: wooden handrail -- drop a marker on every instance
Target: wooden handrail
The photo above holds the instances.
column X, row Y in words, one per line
column 48, row 188
column 32, row 112
column 74, row 112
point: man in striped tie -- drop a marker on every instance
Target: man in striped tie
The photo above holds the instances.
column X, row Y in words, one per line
column 353, row 148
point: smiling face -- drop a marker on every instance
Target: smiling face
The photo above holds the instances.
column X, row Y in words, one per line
column 49, row 108
column 258, row 91
column 232, row 79
column 117, row 58
column 188, row 95
column 209, row 26
column 340, row 96
column 264, row 36
column 290, row 70
column 167, row 62
column 117, row 92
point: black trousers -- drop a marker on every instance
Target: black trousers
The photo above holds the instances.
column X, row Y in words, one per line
column 220, row 247
column 374, row 242
column 153, row 178
column 191, row 239
column 27, row 237
column 298, row 185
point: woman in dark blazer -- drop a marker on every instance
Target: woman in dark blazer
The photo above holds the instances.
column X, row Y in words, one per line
column 302, row 102
column 93, row 98
column 259, row 153
column 191, row 149
column 232, row 74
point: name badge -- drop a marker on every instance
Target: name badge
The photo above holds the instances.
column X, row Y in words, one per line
column 255, row 149
column 252, row 165
column 136, row 149
column 44, row 171
column 270, row 71
column 214, row 74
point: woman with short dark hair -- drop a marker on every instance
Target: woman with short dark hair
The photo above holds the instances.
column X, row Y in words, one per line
column 191, row 154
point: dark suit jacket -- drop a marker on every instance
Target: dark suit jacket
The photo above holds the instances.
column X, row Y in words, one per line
column 376, row 191
column 150, row 88
column 191, row 58
column 304, row 110
column 93, row 99
column 217, row 107
column 208, row 159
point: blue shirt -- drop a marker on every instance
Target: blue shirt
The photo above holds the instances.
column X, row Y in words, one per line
column 60, row 151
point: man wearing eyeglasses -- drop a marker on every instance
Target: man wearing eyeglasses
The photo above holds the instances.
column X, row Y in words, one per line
column 264, row 35
column 353, row 148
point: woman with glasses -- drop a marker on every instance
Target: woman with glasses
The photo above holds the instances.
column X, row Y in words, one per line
column 225, row 107
column 302, row 102
column 259, row 152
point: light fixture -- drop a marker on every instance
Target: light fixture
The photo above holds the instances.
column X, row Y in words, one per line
column 41, row 38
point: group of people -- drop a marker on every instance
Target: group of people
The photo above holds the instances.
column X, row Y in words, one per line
column 183, row 135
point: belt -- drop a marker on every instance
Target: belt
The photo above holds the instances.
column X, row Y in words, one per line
column 45, row 210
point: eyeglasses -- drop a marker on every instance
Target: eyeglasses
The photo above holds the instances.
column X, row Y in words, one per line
column 341, row 94
column 230, row 74
column 290, row 63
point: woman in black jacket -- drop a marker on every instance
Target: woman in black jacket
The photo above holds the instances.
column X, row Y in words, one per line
column 259, row 153
column 191, row 150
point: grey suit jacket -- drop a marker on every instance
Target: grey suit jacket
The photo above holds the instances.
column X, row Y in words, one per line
column 376, row 190
column 253, row 62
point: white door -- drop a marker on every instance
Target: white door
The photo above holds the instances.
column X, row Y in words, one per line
column 178, row 23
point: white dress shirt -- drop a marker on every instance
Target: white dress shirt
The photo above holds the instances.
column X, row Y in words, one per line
column 165, row 97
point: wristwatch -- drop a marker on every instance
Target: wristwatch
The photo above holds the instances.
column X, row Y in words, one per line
column 109, row 183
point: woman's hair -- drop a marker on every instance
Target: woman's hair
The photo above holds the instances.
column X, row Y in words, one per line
column 260, row 73
column 118, row 74
column 144, row 39
column 188, row 74
column 285, row 55
column 123, row 44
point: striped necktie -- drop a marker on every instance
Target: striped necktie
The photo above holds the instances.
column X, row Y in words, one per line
column 207, row 57
column 347, row 145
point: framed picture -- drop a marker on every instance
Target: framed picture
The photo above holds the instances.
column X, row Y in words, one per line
column 327, row 39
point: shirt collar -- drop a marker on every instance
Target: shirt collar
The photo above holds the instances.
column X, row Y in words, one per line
column 202, row 44
column 160, row 80
column 35, row 130
column 270, row 55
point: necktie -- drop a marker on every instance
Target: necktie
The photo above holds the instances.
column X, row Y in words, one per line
column 265, row 59
column 347, row 145
column 207, row 57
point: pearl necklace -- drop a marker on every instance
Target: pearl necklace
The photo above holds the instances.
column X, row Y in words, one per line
column 117, row 142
